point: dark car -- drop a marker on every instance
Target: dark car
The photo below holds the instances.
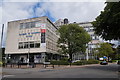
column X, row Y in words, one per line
column 104, row 63
column 118, row 62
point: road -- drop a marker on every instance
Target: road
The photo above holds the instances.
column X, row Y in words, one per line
column 94, row 71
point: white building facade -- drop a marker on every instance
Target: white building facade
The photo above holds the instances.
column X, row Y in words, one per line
column 32, row 39
column 95, row 40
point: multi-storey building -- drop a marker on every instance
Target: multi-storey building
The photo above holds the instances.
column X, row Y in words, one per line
column 61, row 22
column 32, row 39
column 95, row 39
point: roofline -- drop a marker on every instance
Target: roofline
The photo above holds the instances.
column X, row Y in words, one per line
column 36, row 18
column 52, row 23
column 84, row 22
column 28, row 19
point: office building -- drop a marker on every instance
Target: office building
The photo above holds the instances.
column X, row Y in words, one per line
column 95, row 40
column 32, row 39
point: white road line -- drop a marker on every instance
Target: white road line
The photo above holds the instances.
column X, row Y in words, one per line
column 8, row 75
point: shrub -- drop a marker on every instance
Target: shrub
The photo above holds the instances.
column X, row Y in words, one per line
column 84, row 62
column 1, row 63
column 77, row 63
column 92, row 62
column 61, row 62
column 114, row 60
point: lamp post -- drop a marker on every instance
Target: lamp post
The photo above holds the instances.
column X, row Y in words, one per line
column 1, row 42
column 2, row 35
column 28, row 57
column 28, row 53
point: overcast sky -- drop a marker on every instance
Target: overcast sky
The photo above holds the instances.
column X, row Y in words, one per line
column 77, row 11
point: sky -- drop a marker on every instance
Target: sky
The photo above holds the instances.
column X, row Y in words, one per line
column 75, row 11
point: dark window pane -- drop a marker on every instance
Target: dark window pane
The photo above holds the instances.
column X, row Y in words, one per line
column 32, row 24
column 21, row 45
column 26, row 44
column 37, row 45
column 42, row 37
column 31, row 44
column 21, row 25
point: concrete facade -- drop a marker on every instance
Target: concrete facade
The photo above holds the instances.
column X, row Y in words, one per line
column 35, row 36
column 95, row 39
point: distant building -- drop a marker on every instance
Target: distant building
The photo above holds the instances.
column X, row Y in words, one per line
column 66, row 21
column 34, row 39
column 91, row 46
column 61, row 22
column 95, row 39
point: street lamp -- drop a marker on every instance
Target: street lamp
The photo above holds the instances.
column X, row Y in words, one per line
column 28, row 53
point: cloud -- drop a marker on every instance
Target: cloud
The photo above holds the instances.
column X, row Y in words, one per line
column 14, row 11
column 75, row 11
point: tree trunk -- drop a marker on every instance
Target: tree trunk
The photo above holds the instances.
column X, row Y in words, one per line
column 70, row 59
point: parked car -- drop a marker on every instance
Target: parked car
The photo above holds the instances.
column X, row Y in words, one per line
column 104, row 63
column 118, row 62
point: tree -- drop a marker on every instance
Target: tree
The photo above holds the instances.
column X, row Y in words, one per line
column 73, row 39
column 105, row 49
column 118, row 53
column 107, row 24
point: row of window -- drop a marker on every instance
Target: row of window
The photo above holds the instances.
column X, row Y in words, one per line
column 42, row 37
column 29, row 25
column 94, row 37
column 25, row 45
column 51, row 46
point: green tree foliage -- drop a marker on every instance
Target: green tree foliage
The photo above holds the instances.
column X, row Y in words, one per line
column 73, row 39
column 105, row 49
column 118, row 53
column 107, row 24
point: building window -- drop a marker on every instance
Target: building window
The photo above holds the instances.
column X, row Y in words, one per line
column 31, row 44
column 26, row 45
column 21, row 45
column 37, row 44
column 26, row 25
column 29, row 24
column 32, row 24
column 42, row 37
column 21, row 25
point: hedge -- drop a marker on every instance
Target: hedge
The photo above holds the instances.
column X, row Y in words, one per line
column 82, row 62
column 61, row 62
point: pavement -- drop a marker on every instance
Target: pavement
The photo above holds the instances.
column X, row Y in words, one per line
column 25, row 69
column 64, row 71
column 40, row 66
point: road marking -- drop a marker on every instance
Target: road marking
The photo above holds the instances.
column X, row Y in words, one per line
column 8, row 75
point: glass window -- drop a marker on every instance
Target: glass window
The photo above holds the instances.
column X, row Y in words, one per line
column 26, row 45
column 37, row 24
column 32, row 24
column 21, row 25
column 26, row 25
column 42, row 37
column 31, row 44
column 21, row 45
column 37, row 44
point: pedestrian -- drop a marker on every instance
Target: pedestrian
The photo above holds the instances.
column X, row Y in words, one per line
column 19, row 64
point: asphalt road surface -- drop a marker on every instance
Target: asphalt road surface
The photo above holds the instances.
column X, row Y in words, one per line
column 95, row 71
